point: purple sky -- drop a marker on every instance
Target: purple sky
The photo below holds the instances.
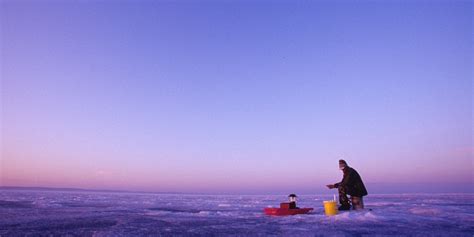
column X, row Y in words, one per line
column 236, row 96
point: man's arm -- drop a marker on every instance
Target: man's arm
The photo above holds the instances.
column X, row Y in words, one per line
column 331, row 186
column 348, row 179
column 336, row 185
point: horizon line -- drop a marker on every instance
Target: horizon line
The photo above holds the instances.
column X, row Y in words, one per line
column 72, row 189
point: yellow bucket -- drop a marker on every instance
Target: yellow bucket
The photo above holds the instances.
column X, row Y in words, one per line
column 330, row 207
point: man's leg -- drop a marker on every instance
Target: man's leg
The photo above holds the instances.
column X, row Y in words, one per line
column 345, row 205
column 357, row 203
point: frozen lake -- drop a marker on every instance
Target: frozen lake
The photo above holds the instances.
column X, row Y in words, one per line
column 115, row 214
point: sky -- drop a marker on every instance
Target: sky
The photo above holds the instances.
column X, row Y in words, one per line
column 237, row 96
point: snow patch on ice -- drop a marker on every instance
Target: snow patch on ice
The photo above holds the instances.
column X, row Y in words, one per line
column 425, row 211
column 342, row 216
column 382, row 204
column 368, row 216
column 204, row 213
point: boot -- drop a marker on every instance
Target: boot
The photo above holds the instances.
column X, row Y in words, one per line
column 344, row 207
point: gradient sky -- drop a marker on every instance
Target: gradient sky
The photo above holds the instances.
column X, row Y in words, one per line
column 237, row 96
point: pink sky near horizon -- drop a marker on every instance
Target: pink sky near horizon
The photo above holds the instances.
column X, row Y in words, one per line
column 180, row 178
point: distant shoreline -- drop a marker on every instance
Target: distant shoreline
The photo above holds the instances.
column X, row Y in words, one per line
column 81, row 190
column 52, row 189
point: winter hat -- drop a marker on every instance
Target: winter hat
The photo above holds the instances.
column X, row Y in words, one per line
column 342, row 164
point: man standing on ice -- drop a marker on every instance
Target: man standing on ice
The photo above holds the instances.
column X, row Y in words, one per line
column 351, row 184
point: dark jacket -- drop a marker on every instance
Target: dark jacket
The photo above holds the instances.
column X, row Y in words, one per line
column 352, row 182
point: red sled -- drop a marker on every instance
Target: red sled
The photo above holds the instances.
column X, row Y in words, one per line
column 274, row 211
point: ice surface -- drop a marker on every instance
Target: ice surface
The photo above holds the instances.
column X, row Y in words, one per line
column 116, row 214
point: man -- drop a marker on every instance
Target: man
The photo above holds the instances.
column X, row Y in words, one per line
column 351, row 184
